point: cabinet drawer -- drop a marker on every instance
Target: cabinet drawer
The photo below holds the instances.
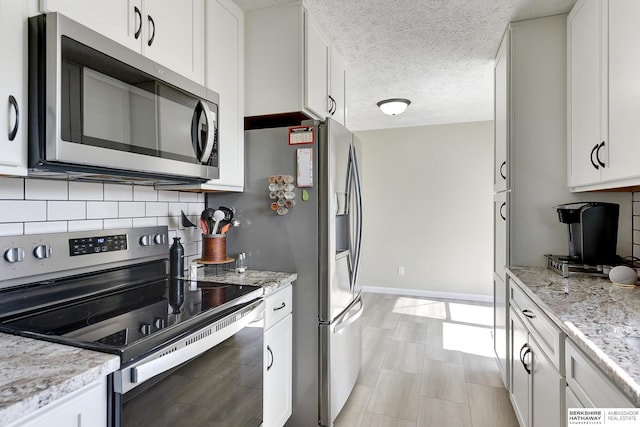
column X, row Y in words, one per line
column 278, row 305
column 589, row 384
column 547, row 334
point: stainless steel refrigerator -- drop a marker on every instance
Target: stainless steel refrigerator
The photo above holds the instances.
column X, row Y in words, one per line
column 320, row 239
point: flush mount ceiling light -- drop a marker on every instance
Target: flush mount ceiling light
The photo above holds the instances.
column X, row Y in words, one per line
column 393, row 106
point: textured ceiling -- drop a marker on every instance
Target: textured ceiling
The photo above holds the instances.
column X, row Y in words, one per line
column 437, row 53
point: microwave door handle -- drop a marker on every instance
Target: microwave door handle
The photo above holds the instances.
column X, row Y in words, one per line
column 211, row 125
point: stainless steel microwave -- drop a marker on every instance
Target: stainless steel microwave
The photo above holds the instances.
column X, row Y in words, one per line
column 99, row 110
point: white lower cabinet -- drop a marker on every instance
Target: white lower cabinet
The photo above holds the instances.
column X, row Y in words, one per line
column 587, row 385
column 86, row 407
column 537, row 388
column 278, row 363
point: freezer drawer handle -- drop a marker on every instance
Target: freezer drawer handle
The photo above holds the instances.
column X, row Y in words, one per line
column 343, row 323
column 283, row 305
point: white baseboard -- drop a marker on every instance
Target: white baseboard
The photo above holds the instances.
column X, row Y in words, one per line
column 428, row 294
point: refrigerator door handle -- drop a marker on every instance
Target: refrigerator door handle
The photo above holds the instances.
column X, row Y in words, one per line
column 343, row 321
column 356, row 175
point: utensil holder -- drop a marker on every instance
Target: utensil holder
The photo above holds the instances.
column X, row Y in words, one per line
column 214, row 247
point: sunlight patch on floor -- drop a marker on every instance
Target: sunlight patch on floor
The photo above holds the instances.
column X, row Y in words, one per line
column 420, row 307
column 474, row 314
column 467, row 338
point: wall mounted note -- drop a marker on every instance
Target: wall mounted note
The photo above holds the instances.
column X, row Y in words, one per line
column 305, row 167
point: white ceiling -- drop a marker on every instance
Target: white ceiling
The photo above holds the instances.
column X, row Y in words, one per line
column 437, row 53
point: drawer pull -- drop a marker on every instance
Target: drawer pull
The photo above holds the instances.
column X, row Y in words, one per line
column 283, row 305
column 530, row 314
column 524, row 351
column 270, row 353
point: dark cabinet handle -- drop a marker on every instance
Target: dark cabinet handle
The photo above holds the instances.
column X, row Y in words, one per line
column 593, row 150
column 530, row 314
column 14, row 131
column 153, row 33
column 524, row 351
column 598, row 154
column 502, row 166
column 283, row 305
column 139, row 15
column 333, row 107
column 502, row 215
column 271, row 353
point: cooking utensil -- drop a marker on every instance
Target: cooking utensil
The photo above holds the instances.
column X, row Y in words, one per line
column 204, row 226
column 218, row 216
column 228, row 213
column 225, row 228
column 207, row 216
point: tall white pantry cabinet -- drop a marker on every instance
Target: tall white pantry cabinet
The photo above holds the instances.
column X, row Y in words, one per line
column 530, row 158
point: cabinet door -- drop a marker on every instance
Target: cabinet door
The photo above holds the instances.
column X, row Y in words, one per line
column 173, row 35
column 501, row 116
column 13, row 87
column 586, row 93
column 225, row 69
column 278, row 378
column 316, row 48
column 84, row 407
column 116, row 19
column 547, row 390
column 500, row 343
column 624, row 86
column 500, row 240
column 520, row 372
column 338, row 88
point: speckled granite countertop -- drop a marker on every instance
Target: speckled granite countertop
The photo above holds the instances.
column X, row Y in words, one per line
column 602, row 319
column 34, row 373
column 269, row 280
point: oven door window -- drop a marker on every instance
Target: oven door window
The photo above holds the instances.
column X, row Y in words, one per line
column 221, row 387
column 121, row 108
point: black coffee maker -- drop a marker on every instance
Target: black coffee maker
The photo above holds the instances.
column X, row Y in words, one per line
column 593, row 231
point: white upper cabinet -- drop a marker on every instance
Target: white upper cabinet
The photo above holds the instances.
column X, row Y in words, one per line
column 13, row 87
column 169, row 32
column 501, row 116
column 225, row 69
column 291, row 65
column 603, row 105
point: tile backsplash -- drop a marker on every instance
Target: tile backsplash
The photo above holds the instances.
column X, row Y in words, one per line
column 35, row 206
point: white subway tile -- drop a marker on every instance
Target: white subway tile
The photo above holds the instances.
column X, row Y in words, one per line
column 194, row 208
column 118, row 223
column 143, row 193
column 102, row 210
column 131, row 209
column 636, row 208
column 176, row 208
column 86, row 190
column 145, row 222
column 66, row 210
column 12, row 229
column 186, row 196
column 46, row 189
column 157, row 209
column 164, row 221
column 23, row 210
column 636, row 196
column 94, row 224
column 636, row 251
column 168, row 196
column 118, row 192
column 12, row 188
column 636, row 222
column 636, row 237
column 202, row 197
column 45, row 227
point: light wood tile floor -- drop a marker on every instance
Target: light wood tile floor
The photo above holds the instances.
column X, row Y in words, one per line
column 425, row 363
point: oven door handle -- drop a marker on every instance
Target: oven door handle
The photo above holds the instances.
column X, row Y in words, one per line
column 147, row 370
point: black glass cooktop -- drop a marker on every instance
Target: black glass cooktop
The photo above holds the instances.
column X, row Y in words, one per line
column 130, row 319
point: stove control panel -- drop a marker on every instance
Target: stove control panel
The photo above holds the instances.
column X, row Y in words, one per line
column 31, row 258
column 93, row 245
